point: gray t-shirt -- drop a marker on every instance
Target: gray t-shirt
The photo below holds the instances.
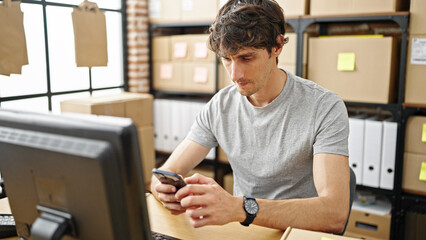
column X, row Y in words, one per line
column 271, row 148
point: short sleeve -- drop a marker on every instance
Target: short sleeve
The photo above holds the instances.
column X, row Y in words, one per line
column 331, row 126
column 202, row 128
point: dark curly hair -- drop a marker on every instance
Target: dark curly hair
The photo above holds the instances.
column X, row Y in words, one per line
column 246, row 23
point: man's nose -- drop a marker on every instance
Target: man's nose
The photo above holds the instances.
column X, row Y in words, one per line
column 237, row 72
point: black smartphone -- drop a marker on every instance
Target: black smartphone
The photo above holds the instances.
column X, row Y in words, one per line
column 169, row 178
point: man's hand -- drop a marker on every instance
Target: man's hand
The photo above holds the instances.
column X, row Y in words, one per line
column 207, row 203
column 166, row 195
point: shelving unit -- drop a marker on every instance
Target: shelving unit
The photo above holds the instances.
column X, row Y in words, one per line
column 400, row 201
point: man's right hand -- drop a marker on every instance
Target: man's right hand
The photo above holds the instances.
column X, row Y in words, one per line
column 166, row 195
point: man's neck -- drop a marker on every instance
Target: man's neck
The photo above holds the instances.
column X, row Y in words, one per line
column 272, row 89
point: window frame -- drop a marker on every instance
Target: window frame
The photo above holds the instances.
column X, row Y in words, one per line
column 49, row 94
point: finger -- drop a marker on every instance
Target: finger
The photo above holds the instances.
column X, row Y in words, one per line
column 199, row 212
column 165, row 188
column 175, row 207
column 166, row 197
column 200, row 221
column 192, row 189
column 193, row 201
column 199, row 179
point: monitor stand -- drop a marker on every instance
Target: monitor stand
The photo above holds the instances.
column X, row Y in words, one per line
column 52, row 225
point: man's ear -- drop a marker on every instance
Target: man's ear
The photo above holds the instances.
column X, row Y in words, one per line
column 280, row 43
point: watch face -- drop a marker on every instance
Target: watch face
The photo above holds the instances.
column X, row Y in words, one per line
column 250, row 205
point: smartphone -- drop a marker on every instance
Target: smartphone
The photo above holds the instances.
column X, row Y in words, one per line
column 169, row 178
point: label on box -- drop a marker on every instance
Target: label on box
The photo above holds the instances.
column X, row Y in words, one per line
column 200, row 50
column 166, row 71
column 201, row 74
column 187, row 5
column 180, row 50
column 422, row 176
column 418, row 51
column 346, row 62
column 424, row 133
column 154, row 8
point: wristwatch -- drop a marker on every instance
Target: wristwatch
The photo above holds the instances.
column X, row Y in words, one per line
column 251, row 208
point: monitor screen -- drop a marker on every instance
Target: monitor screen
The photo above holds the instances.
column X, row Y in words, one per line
column 78, row 175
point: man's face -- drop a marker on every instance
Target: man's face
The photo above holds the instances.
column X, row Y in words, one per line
column 249, row 69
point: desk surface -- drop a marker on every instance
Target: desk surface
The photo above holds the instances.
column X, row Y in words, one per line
column 178, row 226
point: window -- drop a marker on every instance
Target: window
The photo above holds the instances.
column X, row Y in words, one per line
column 52, row 75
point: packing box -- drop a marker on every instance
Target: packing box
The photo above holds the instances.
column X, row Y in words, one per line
column 289, row 52
column 297, row 234
column 417, row 17
column 164, row 10
column 180, row 46
column 368, row 225
column 339, row 7
column 168, row 76
column 199, row 10
column 415, row 135
column 414, row 166
column 147, row 152
column 198, row 50
column 161, row 49
column 359, row 69
column 199, row 77
column 136, row 106
column 415, row 81
column 294, row 7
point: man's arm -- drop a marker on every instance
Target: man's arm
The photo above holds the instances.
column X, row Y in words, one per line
column 186, row 156
column 328, row 212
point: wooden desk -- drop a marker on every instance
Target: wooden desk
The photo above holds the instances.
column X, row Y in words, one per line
column 178, row 226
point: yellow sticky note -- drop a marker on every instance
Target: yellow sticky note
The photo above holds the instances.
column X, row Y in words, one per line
column 422, row 176
column 424, row 133
column 346, row 62
column 326, row 238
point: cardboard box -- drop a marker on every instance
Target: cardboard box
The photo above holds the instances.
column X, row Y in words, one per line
column 161, row 49
column 198, row 50
column 164, row 10
column 294, row 7
column 411, row 181
column 136, row 106
column 168, row 76
column 199, row 77
column 339, row 7
column 146, row 147
column 417, row 17
column 180, row 48
column 415, row 81
column 414, row 135
column 359, row 69
column 298, row 234
column 289, row 52
column 199, row 10
column 368, row 226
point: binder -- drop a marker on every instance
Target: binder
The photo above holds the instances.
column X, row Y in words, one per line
column 166, row 123
column 372, row 152
column 157, row 125
column 176, row 125
column 388, row 154
column 356, row 145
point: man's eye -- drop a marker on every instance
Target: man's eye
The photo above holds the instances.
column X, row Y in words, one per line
column 247, row 59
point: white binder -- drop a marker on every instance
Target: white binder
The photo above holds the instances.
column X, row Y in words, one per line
column 157, row 125
column 388, row 155
column 372, row 152
column 356, row 145
column 176, row 123
column 166, row 124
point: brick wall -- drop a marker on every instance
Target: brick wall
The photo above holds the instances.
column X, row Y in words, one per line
column 137, row 41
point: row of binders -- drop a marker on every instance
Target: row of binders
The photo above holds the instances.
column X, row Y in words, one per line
column 372, row 150
column 172, row 121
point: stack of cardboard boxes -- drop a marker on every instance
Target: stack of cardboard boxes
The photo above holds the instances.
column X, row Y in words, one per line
column 137, row 107
column 339, row 7
column 183, row 63
column 415, row 82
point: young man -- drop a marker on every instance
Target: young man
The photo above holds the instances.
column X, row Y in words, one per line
column 285, row 137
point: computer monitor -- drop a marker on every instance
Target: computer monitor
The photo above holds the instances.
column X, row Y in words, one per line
column 78, row 175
